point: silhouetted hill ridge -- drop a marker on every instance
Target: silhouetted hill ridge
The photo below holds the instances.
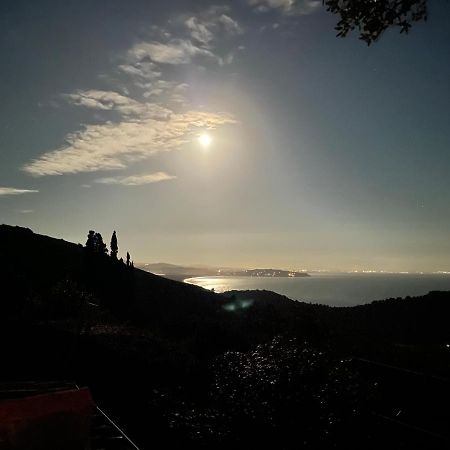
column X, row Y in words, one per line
column 201, row 368
column 31, row 264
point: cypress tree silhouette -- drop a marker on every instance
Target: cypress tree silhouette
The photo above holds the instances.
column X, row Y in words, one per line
column 114, row 246
column 128, row 259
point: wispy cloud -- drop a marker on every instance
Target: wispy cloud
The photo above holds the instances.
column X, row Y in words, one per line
column 192, row 39
column 145, row 70
column 25, row 211
column 199, row 31
column 286, row 6
column 137, row 180
column 147, row 111
column 113, row 101
column 15, row 191
column 157, row 88
column 105, row 101
column 214, row 23
column 111, row 146
column 176, row 51
column 230, row 25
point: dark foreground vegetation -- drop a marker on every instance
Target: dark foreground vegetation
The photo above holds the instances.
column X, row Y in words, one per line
column 180, row 365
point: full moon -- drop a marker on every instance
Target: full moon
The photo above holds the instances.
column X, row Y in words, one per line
column 204, row 140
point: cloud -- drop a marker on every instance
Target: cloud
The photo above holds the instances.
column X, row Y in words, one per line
column 199, row 31
column 151, row 114
column 106, row 101
column 286, row 6
column 15, row 191
column 193, row 39
column 112, row 146
column 230, row 25
column 141, row 69
column 206, row 27
column 159, row 87
column 137, row 180
column 25, row 211
column 112, row 101
column 214, row 23
column 176, row 51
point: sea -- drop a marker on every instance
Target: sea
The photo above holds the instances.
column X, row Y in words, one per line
column 334, row 289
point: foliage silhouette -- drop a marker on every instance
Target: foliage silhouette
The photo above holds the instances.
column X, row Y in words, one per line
column 372, row 17
column 95, row 244
column 91, row 241
column 100, row 246
column 114, row 247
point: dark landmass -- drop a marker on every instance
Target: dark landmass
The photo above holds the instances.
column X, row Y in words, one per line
column 181, row 365
column 180, row 273
column 175, row 272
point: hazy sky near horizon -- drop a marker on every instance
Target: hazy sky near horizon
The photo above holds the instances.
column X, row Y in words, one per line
column 324, row 153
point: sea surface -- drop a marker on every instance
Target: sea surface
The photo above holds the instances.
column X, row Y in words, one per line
column 340, row 289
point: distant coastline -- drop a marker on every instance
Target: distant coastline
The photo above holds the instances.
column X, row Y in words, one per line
column 182, row 273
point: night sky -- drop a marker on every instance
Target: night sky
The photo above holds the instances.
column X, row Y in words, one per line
column 235, row 134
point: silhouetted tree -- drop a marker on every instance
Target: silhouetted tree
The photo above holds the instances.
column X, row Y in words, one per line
column 128, row 259
column 95, row 244
column 372, row 17
column 132, row 264
column 100, row 246
column 114, row 246
column 90, row 243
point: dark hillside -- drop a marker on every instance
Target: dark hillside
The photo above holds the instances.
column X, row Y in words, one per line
column 221, row 371
column 412, row 331
column 32, row 264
